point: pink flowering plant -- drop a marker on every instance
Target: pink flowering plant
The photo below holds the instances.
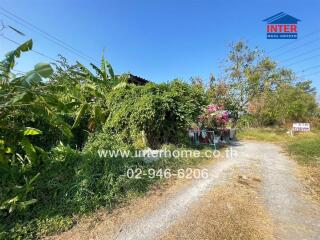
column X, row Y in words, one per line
column 213, row 116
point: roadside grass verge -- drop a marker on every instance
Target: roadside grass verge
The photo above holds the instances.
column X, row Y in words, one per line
column 262, row 134
column 277, row 135
column 302, row 147
column 306, row 150
column 307, row 153
column 73, row 184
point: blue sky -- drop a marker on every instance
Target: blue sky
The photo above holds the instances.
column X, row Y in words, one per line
column 162, row 40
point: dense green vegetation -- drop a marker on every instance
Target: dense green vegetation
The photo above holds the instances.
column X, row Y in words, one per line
column 54, row 118
column 73, row 183
column 163, row 112
column 54, row 121
column 262, row 93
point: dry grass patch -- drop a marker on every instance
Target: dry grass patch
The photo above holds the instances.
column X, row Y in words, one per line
column 311, row 175
column 229, row 212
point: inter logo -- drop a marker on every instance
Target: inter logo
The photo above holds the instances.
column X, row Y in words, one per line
column 282, row 26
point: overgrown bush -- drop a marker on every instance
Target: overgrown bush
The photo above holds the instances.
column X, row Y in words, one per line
column 163, row 112
column 285, row 105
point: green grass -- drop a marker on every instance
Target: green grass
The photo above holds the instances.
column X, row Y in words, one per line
column 307, row 153
column 74, row 183
column 276, row 135
column 263, row 134
column 305, row 150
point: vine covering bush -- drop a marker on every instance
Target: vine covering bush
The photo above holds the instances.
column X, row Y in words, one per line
column 161, row 112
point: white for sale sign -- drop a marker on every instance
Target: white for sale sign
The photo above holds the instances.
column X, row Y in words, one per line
column 301, row 127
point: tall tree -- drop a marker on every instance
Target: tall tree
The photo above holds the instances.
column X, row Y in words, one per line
column 241, row 63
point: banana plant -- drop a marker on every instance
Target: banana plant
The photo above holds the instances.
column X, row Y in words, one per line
column 23, row 97
column 9, row 62
column 93, row 89
column 104, row 74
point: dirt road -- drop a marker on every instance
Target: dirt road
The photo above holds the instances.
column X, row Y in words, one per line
column 295, row 216
column 281, row 193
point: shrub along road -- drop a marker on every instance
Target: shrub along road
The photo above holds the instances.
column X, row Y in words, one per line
column 256, row 195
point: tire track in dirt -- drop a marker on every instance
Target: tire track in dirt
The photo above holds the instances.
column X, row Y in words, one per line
column 281, row 193
column 294, row 216
column 153, row 225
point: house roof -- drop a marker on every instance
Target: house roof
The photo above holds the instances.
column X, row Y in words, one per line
column 137, row 80
column 282, row 18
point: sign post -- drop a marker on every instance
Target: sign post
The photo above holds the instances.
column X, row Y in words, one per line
column 301, row 127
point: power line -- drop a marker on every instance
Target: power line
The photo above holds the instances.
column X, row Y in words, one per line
column 298, row 47
column 310, row 74
column 303, row 60
column 39, row 53
column 290, row 43
column 295, row 48
column 302, row 54
column 309, row 68
column 45, row 34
